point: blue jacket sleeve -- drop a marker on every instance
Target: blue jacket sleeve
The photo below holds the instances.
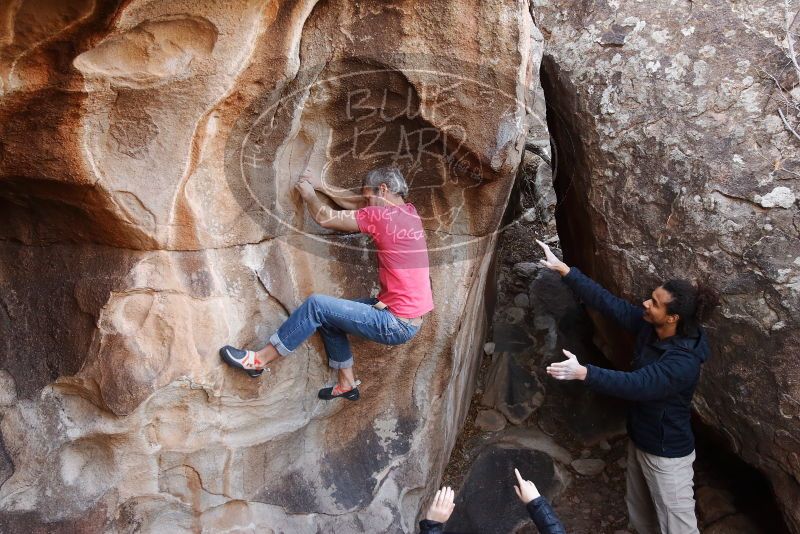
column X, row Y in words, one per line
column 676, row 370
column 426, row 526
column 544, row 517
column 599, row 298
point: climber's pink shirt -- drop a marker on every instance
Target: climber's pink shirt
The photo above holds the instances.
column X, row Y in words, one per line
column 402, row 258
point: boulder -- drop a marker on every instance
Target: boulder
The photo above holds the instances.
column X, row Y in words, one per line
column 713, row 504
column 147, row 155
column 511, row 337
column 672, row 160
column 490, row 421
column 545, row 196
column 515, row 315
column 588, row 466
column 487, row 501
column 526, row 269
column 512, row 387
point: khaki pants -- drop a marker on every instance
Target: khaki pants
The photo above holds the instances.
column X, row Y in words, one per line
column 660, row 494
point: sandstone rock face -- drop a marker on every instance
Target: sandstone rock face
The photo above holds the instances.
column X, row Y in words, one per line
column 147, row 153
column 672, row 160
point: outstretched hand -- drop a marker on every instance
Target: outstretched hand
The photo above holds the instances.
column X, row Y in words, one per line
column 551, row 261
column 569, row 369
column 442, row 506
column 526, row 491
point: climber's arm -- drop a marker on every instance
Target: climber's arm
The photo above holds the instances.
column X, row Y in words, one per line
column 343, row 198
column 327, row 217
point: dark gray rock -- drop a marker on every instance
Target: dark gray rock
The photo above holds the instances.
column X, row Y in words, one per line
column 713, row 504
column 487, row 502
column 586, row 416
column 511, row 338
column 734, row 524
column 526, row 269
column 521, row 300
column 545, row 195
column 616, row 35
column 512, row 387
column 515, row 315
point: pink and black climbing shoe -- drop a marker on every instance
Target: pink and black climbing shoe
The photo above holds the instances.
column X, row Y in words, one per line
column 336, row 392
column 242, row 359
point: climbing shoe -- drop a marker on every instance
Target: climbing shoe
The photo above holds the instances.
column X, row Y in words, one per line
column 335, row 393
column 241, row 359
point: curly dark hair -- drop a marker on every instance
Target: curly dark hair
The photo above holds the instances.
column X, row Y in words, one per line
column 693, row 304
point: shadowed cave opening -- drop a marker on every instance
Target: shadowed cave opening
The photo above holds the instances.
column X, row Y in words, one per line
column 717, row 466
column 751, row 490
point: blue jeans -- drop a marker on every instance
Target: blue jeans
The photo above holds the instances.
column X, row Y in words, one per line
column 335, row 318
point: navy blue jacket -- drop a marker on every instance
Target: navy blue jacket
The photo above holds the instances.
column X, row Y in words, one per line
column 663, row 378
column 543, row 516
column 545, row 519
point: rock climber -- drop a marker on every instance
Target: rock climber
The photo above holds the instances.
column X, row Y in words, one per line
column 394, row 317
column 670, row 349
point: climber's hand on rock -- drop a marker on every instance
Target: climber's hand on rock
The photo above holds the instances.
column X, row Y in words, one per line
column 526, row 491
column 313, row 178
column 569, row 369
column 305, row 188
column 442, row 505
column 551, row 261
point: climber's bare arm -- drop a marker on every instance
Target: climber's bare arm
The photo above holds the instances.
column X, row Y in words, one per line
column 339, row 220
column 343, row 198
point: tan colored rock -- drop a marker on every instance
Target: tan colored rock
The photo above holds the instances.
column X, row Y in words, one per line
column 490, row 421
column 588, row 466
column 147, row 155
column 152, row 53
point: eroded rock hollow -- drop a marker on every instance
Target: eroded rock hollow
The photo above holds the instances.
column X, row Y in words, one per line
column 147, row 153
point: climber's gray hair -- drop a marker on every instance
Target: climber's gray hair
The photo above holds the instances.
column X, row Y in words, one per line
column 391, row 176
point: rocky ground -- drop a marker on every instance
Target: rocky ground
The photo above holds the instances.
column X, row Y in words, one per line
column 571, row 443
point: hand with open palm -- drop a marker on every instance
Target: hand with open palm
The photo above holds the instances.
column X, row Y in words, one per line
column 442, row 506
column 569, row 369
column 551, row 261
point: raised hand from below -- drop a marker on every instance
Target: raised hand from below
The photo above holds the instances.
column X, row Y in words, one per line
column 526, row 491
column 442, row 506
column 569, row 369
column 551, row 261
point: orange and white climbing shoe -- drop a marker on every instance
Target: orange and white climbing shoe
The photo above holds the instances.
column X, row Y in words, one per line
column 242, row 359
